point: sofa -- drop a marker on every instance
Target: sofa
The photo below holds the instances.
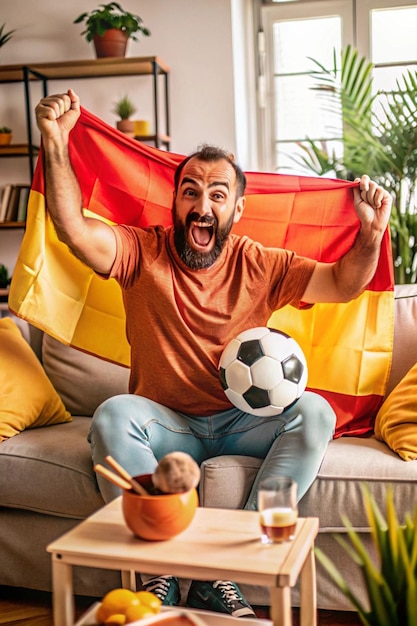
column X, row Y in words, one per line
column 47, row 482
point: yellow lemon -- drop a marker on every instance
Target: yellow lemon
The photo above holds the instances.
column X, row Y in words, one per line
column 115, row 602
column 150, row 600
column 118, row 619
column 137, row 611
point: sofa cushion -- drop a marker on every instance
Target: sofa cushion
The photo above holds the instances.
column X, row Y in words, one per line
column 83, row 381
column 349, row 462
column 235, row 471
column 396, row 420
column 27, row 397
column 49, row 470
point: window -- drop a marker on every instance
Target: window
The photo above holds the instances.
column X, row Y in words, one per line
column 295, row 32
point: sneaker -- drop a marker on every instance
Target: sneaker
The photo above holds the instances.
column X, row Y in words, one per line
column 167, row 588
column 222, row 596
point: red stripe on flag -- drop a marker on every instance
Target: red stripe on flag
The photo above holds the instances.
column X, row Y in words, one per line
column 355, row 414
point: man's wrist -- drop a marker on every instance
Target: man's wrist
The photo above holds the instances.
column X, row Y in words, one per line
column 56, row 151
column 368, row 239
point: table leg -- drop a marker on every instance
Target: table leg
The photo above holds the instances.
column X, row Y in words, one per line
column 62, row 597
column 308, row 591
column 281, row 612
column 129, row 579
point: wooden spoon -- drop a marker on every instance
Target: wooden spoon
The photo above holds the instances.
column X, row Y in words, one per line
column 125, row 474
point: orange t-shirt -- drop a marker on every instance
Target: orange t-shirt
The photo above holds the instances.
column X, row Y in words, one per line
column 178, row 320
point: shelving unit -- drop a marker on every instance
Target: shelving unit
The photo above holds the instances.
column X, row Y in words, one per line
column 103, row 68
column 14, row 150
column 27, row 74
column 15, row 74
column 4, row 293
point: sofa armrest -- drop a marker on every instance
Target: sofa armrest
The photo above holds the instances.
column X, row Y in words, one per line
column 405, row 337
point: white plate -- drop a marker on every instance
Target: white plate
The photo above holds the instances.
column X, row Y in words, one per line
column 197, row 618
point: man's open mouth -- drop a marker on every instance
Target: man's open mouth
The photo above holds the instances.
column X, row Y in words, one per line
column 201, row 234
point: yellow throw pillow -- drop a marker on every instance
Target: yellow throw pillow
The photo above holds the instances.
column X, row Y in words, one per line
column 396, row 420
column 27, row 397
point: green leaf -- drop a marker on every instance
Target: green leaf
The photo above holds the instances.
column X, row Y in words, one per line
column 338, row 579
column 5, row 37
column 379, row 593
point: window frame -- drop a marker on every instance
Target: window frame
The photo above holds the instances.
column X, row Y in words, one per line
column 356, row 30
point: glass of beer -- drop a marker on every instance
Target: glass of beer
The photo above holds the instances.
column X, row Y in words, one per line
column 278, row 511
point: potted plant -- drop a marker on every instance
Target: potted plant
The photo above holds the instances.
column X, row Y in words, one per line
column 5, row 135
column 110, row 27
column 125, row 108
column 5, row 36
column 391, row 580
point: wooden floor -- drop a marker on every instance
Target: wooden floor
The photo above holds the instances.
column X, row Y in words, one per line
column 19, row 607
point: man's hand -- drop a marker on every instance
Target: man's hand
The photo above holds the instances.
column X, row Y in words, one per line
column 372, row 204
column 57, row 115
column 347, row 278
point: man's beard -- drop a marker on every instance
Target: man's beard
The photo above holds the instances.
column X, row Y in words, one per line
column 195, row 259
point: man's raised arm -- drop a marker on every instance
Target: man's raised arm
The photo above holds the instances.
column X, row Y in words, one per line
column 90, row 240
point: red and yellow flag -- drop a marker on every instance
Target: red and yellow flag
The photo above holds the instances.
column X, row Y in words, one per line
column 348, row 346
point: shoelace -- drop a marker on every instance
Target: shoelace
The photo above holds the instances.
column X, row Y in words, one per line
column 159, row 586
column 228, row 590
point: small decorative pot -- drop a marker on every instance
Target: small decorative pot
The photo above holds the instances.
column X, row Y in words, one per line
column 5, row 139
column 112, row 44
column 126, row 126
column 142, row 128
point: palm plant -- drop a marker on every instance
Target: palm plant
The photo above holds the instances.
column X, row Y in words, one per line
column 379, row 138
column 391, row 584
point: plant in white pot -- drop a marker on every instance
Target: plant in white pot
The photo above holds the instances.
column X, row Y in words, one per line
column 124, row 109
column 110, row 27
column 391, row 582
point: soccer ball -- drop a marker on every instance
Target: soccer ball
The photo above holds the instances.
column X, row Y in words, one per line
column 263, row 371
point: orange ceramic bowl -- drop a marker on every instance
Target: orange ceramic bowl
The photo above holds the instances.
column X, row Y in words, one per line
column 158, row 517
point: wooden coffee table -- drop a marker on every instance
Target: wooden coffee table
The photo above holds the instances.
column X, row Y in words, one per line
column 220, row 544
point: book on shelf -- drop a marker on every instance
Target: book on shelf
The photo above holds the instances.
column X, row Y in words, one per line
column 22, row 208
column 14, row 200
column 5, row 201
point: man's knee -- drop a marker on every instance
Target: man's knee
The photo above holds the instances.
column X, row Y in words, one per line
column 318, row 418
column 111, row 415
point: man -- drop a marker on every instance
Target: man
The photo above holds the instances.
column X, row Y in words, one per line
column 187, row 291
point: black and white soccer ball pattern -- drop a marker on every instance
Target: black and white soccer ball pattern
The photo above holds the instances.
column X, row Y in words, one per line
column 263, row 371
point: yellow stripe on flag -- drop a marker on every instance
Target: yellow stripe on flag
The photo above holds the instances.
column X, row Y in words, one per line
column 342, row 357
column 78, row 307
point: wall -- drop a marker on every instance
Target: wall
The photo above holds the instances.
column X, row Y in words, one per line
column 194, row 37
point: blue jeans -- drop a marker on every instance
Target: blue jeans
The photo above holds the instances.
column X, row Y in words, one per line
column 138, row 432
